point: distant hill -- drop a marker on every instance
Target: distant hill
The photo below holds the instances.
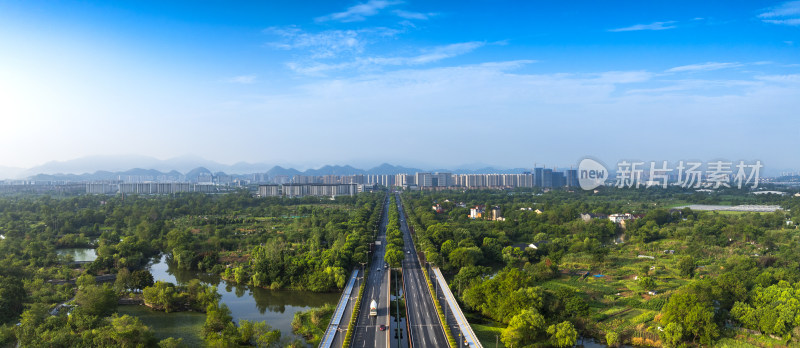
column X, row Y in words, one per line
column 334, row 170
column 193, row 174
column 388, row 169
column 107, row 175
column 115, row 164
column 189, row 168
column 278, row 170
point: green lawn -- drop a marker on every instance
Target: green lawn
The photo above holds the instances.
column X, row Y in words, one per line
column 488, row 334
column 186, row 325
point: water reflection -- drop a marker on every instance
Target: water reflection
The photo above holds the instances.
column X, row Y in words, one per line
column 277, row 308
column 78, row 254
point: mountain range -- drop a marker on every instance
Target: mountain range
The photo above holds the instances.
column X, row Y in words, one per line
column 189, row 167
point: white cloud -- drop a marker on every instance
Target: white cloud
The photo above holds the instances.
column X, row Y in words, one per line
column 694, row 87
column 413, row 15
column 243, row 79
column 358, row 12
column 787, row 13
column 789, row 8
column 430, row 56
column 791, row 78
column 651, row 26
column 326, row 44
column 703, row 67
column 790, row 21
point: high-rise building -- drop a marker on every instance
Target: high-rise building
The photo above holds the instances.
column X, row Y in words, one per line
column 424, row 179
column 572, row 178
column 558, row 179
column 547, row 177
column 443, row 179
column 269, row 190
column 538, row 174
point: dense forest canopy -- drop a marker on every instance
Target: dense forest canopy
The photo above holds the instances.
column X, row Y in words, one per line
column 540, row 267
column 305, row 243
column 667, row 276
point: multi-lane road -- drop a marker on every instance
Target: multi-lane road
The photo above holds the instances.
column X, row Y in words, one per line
column 368, row 331
column 426, row 329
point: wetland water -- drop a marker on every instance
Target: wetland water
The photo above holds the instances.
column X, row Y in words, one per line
column 276, row 308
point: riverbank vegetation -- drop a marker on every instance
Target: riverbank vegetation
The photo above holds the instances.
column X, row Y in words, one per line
column 311, row 324
column 306, row 243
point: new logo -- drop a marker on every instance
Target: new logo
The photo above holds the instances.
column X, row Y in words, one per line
column 591, row 174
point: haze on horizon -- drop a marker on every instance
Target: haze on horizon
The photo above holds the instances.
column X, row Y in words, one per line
column 428, row 84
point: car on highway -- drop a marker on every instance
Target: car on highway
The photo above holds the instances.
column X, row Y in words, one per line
column 382, row 328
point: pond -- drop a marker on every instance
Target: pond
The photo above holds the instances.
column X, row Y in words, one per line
column 276, row 308
column 78, row 254
column 185, row 325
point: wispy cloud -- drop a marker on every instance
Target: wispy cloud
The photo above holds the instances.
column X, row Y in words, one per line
column 329, row 43
column 651, row 26
column 413, row 15
column 704, row 67
column 791, row 78
column 787, row 13
column 358, row 12
column 790, row 21
column 243, row 79
column 426, row 57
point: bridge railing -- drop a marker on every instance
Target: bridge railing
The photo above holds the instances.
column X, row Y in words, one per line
column 336, row 319
column 466, row 330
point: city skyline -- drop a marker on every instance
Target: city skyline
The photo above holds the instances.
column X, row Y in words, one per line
column 500, row 83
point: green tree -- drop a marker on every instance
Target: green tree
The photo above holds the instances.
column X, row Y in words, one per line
column 686, row 266
column 612, row 339
column 141, row 279
column 672, row 334
column 12, row 297
column 447, row 247
column 523, row 328
column 563, row 334
column 162, row 296
column 97, row 300
column 217, row 318
column 124, row 331
column 29, row 322
column 394, row 257
column 693, row 309
column 85, row 280
column 258, row 334
column 123, row 281
column 647, row 283
column 172, row 342
column 772, row 310
column 465, row 257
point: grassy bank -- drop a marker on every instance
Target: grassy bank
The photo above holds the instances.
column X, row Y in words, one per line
column 488, row 334
column 312, row 323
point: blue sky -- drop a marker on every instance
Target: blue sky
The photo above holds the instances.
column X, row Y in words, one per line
column 431, row 84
